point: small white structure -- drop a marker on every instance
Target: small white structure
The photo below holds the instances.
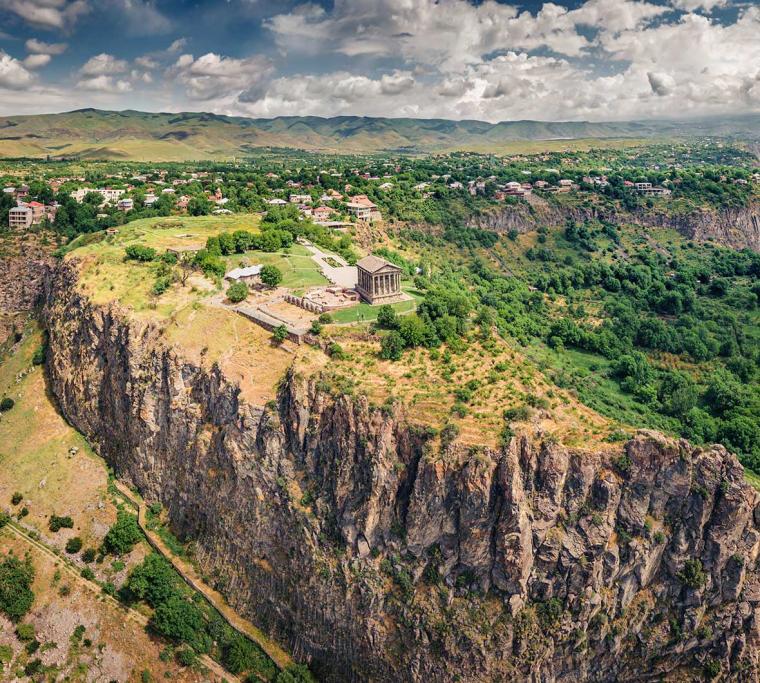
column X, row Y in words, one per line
column 248, row 273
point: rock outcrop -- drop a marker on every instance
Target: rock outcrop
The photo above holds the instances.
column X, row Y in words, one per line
column 375, row 554
column 738, row 228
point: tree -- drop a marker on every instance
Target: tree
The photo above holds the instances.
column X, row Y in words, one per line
column 16, row 596
column 280, row 334
column 237, row 292
column 391, row 346
column 6, row 404
column 137, row 252
column 123, row 535
column 74, row 545
column 271, row 275
column 179, row 620
column 199, row 206
column 153, row 580
column 387, row 318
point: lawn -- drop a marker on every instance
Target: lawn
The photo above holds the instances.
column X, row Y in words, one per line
column 299, row 271
column 366, row 313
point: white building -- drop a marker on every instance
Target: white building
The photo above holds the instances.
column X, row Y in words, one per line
column 20, row 217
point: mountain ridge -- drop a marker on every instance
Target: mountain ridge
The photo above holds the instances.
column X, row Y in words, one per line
column 175, row 136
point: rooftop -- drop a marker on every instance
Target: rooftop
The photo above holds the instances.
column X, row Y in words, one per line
column 373, row 264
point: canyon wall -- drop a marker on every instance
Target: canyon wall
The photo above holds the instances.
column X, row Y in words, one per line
column 738, row 228
column 375, row 553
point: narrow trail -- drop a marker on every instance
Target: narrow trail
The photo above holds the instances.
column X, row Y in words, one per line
column 129, row 613
column 189, row 574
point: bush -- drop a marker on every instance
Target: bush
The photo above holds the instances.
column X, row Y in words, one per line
column 271, row 275
column 137, row 252
column 237, row 292
column 26, row 632
column 74, row 545
column 391, row 346
column 55, row 523
column 88, row 574
column 88, row 555
column 280, row 334
column 243, row 655
column 325, row 318
column 123, row 535
column 39, row 356
column 186, row 656
column 335, row 350
column 161, row 285
column 153, row 580
column 16, row 498
column 6, row 404
column 179, row 620
column 692, row 574
column 387, row 318
column 16, row 596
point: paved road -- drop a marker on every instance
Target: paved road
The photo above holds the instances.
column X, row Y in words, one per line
column 186, row 570
column 343, row 276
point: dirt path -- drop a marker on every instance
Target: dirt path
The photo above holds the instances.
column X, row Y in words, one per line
column 129, row 613
column 191, row 577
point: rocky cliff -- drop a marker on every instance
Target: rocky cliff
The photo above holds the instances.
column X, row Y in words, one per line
column 377, row 554
column 738, row 228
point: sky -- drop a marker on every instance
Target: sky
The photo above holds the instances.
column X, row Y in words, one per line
column 596, row 60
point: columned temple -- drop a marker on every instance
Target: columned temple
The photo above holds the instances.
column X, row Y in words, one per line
column 378, row 279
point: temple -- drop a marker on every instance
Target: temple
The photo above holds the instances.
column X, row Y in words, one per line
column 378, row 279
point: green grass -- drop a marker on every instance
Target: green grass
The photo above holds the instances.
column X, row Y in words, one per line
column 586, row 375
column 366, row 313
column 299, row 271
column 752, row 479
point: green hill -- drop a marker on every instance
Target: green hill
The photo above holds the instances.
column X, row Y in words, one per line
column 95, row 134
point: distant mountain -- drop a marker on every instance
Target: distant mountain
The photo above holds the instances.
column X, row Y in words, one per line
column 92, row 133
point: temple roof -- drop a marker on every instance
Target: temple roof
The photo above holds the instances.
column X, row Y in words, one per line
column 374, row 264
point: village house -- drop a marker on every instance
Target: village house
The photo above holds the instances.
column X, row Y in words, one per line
column 363, row 208
column 248, row 275
column 300, row 199
column 322, row 213
column 20, row 217
column 125, row 204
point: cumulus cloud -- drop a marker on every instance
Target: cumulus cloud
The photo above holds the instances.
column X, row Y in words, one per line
column 692, row 5
column 103, row 65
column 215, row 76
column 40, row 47
column 47, row 14
column 36, row 61
column 105, row 84
column 13, row 74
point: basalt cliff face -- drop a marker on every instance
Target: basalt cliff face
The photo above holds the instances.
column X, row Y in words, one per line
column 738, row 228
column 376, row 554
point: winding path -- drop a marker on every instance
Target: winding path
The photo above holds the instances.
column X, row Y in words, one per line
column 189, row 574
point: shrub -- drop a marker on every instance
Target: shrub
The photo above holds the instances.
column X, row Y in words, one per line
column 16, row 596
column 325, row 319
column 186, row 656
column 123, row 535
column 74, row 545
column 280, row 334
column 179, row 620
column 242, row 655
column 16, row 498
column 161, row 285
column 26, row 632
column 88, row 555
column 153, row 580
column 39, row 356
column 55, row 523
column 387, row 318
column 692, row 574
column 271, row 275
column 391, row 346
column 316, row 327
column 335, row 350
column 88, row 574
column 137, row 252
column 237, row 292
column 6, row 404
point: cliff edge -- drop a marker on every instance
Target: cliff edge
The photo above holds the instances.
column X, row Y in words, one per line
column 376, row 552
